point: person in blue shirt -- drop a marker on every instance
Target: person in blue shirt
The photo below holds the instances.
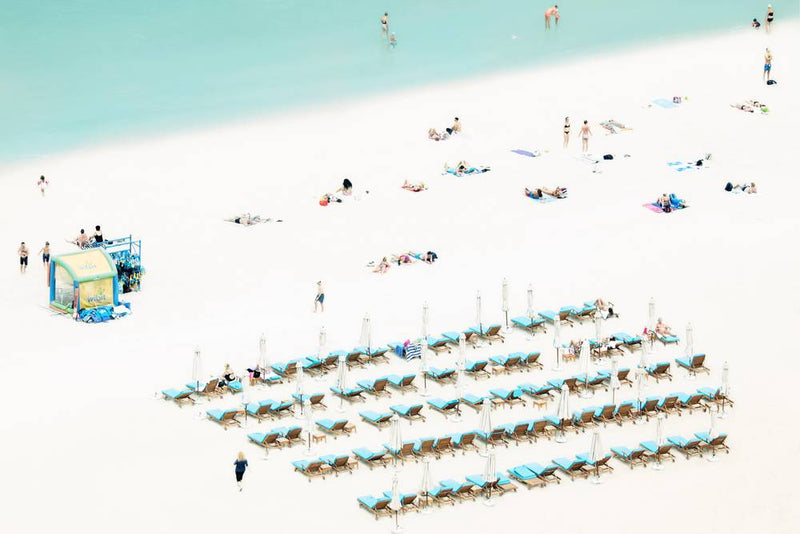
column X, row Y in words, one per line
column 241, row 467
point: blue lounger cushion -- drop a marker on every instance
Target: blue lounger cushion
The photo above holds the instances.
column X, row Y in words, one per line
column 472, row 365
column 680, row 441
column 566, row 463
column 669, row 339
column 451, row 484
column 374, row 416
column 538, row 469
column 499, row 360
column 479, row 481
column 284, row 430
column 259, row 437
column 469, row 398
column 457, row 438
column 175, row 393
column 328, row 423
column 396, row 380
column 437, row 372
column 651, row 446
column 687, row 361
column 366, row 454
column 442, row 404
column 482, row 330
column 527, row 322
column 436, row 341
column 625, row 338
column 522, row 472
column 453, row 337
column 625, row 452
column 219, row 414
column 330, row 459
column 548, row 315
column 401, row 409
column 348, row 392
column 584, row 456
column 704, row 436
column 506, row 394
column 599, row 409
column 371, row 502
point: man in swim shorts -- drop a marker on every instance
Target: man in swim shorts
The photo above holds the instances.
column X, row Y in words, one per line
column 23, row 257
column 767, row 65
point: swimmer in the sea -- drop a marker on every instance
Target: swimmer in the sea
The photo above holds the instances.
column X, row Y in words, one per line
column 385, row 25
column 551, row 12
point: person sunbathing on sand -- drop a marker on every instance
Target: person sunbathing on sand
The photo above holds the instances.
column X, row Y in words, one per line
column 743, row 107
column 382, row 267
column 455, row 128
column 662, row 328
column 402, row 258
column 535, row 194
column 464, row 168
column 558, row 192
column 663, row 202
column 750, row 188
column 414, row 187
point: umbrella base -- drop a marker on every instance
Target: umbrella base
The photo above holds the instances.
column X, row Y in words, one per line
column 586, row 394
column 488, row 502
column 561, row 438
column 712, row 458
column 596, row 480
column 658, row 466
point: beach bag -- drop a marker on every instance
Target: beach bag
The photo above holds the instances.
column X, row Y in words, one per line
column 323, row 202
column 699, row 163
column 771, row 82
column 729, row 187
column 608, row 156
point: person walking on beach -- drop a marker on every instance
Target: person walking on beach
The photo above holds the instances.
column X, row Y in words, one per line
column 319, row 300
column 385, row 25
column 770, row 18
column 551, row 12
column 566, row 132
column 23, row 257
column 42, row 184
column 45, row 252
column 241, row 467
column 585, row 133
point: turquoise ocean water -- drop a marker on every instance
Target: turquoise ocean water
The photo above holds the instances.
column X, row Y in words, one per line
column 78, row 72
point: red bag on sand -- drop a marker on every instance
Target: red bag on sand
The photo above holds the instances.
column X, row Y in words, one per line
column 323, row 202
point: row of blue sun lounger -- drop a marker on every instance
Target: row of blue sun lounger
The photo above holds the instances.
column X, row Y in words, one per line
column 533, row 475
column 449, row 491
column 668, row 404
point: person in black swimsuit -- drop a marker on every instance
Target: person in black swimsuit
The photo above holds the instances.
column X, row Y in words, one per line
column 770, row 17
column 566, row 132
column 98, row 234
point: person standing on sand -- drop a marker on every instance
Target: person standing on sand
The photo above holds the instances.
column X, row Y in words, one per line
column 42, row 184
column 23, row 257
column 385, row 25
column 585, row 133
column 551, row 12
column 45, row 252
column 770, row 18
column 566, row 132
column 241, row 467
column 767, row 64
column 319, row 300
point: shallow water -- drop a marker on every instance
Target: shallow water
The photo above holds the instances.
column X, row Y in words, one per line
column 78, row 72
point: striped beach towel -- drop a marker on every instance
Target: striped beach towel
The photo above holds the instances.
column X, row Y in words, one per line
column 413, row 350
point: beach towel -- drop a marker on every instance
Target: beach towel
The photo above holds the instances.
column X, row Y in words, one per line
column 657, row 209
column 681, row 166
column 526, row 153
column 544, row 199
column 665, row 103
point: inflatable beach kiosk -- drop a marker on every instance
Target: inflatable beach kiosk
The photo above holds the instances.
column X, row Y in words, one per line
column 82, row 282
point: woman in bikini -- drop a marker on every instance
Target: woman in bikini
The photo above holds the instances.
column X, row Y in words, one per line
column 770, row 17
column 566, row 132
column 585, row 133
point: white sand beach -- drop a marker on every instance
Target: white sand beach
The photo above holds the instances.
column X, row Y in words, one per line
column 88, row 444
